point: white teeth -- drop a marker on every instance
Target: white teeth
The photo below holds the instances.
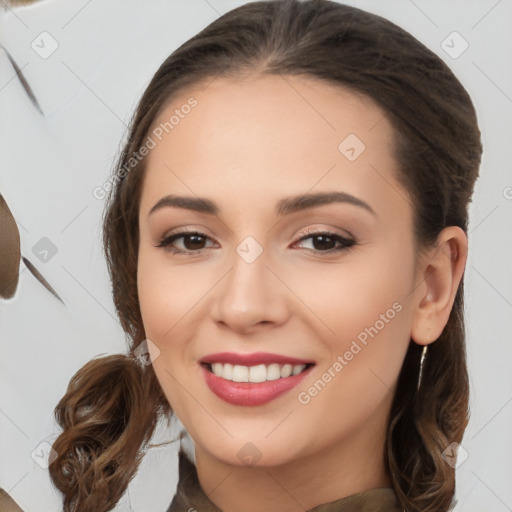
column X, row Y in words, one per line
column 217, row 369
column 286, row 370
column 298, row 368
column 240, row 373
column 227, row 371
column 258, row 373
column 273, row 372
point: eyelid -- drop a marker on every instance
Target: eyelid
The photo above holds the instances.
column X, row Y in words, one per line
column 331, row 230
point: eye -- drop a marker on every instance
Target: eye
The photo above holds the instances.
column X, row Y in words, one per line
column 192, row 242
column 325, row 242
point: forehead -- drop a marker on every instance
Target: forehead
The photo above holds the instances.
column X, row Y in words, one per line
column 260, row 136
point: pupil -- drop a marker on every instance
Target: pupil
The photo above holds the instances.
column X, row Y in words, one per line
column 323, row 241
column 196, row 244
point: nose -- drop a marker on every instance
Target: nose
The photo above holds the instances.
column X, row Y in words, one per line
column 251, row 297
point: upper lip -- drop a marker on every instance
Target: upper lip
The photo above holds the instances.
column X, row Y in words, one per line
column 252, row 359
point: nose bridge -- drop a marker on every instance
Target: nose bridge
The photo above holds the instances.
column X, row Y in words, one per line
column 250, row 294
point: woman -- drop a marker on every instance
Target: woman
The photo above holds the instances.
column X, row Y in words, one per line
column 286, row 236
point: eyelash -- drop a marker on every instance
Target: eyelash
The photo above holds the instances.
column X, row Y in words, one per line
column 346, row 243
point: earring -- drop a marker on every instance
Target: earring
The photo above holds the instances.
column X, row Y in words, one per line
column 423, row 354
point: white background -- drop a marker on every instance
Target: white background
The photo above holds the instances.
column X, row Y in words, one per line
column 49, row 166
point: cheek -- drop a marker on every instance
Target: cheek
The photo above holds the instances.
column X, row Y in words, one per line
column 166, row 294
column 365, row 305
column 356, row 294
column 152, row 297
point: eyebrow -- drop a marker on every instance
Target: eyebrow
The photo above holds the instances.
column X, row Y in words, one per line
column 284, row 206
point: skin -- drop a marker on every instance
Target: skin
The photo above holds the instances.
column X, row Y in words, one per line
column 246, row 145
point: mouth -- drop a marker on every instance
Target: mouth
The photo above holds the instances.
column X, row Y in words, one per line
column 252, row 379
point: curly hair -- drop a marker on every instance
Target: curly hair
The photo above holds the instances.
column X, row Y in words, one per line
column 112, row 405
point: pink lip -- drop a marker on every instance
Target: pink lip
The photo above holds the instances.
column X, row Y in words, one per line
column 252, row 359
column 249, row 393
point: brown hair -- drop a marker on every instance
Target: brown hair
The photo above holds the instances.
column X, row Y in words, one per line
column 113, row 404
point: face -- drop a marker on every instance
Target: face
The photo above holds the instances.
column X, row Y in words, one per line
column 279, row 306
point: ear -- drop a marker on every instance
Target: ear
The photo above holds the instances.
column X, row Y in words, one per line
column 439, row 273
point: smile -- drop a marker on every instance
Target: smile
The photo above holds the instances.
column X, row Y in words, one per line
column 252, row 379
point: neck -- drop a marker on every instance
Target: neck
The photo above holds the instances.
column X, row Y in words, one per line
column 351, row 465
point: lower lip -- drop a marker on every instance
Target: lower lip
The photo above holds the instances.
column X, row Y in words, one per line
column 249, row 393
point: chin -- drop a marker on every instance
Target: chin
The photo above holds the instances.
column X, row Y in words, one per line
column 252, row 451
